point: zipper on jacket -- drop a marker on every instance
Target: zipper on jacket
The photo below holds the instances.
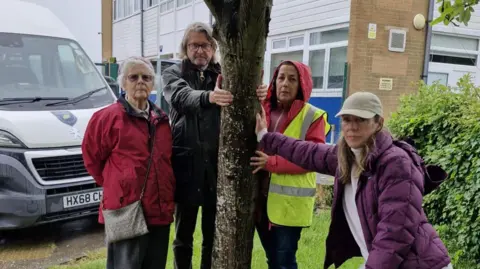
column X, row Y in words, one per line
column 202, row 76
column 359, row 185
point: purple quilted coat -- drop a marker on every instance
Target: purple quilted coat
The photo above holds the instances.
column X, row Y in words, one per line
column 389, row 202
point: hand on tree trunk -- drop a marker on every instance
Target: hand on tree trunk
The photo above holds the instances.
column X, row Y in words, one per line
column 259, row 162
column 219, row 96
column 261, row 122
column 262, row 91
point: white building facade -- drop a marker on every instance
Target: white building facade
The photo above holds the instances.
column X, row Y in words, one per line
column 312, row 31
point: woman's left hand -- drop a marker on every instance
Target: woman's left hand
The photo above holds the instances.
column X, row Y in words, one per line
column 259, row 162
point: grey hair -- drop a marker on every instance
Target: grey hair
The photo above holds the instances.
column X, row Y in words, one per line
column 131, row 61
column 198, row 27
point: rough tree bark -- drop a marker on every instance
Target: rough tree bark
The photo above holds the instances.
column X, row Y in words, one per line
column 241, row 27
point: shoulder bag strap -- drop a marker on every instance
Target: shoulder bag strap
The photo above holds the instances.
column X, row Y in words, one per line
column 151, row 141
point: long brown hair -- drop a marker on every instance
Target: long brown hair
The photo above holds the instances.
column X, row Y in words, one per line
column 346, row 157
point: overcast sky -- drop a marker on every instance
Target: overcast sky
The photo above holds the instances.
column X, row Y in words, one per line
column 83, row 18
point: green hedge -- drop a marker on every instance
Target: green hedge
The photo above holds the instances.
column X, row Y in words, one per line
column 445, row 125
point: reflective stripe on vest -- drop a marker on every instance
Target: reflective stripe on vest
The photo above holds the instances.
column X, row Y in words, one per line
column 292, row 191
column 307, row 121
column 291, row 198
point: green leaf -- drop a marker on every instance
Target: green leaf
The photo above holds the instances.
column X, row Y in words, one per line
column 468, row 16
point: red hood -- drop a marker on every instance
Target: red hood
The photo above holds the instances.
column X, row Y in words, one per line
column 306, row 85
column 306, row 82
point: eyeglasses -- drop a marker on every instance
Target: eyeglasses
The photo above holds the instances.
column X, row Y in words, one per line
column 135, row 77
column 195, row 47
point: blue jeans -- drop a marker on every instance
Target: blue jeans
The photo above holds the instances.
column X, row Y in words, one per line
column 280, row 244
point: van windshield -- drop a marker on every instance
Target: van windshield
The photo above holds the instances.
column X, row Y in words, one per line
column 37, row 71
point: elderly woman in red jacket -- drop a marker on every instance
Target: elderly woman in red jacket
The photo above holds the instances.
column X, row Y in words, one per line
column 119, row 143
column 282, row 216
column 379, row 183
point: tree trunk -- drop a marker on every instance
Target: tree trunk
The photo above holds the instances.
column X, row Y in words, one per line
column 241, row 27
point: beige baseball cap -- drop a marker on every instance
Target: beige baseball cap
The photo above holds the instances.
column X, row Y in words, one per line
column 362, row 104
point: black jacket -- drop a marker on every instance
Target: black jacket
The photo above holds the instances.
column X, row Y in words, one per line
column 195, row 129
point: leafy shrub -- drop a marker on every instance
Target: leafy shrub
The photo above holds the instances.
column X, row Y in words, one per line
column 444, row 122
column 328, row 192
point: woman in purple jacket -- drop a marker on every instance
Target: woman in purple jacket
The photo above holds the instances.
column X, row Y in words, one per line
column 379, row 186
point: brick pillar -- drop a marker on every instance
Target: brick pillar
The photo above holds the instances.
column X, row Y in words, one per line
column 107, row 19
column 370, row 60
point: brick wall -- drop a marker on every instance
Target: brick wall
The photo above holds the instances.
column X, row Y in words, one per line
column 369, row 59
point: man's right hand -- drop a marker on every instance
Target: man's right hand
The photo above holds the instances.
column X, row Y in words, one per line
column 219, row 96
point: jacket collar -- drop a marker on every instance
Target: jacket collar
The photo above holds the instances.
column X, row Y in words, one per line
column 155, row 112
column 383, row 141
column 188, row 66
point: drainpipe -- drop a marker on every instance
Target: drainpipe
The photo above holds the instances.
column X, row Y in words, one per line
column 428, row 38
column 141, row 30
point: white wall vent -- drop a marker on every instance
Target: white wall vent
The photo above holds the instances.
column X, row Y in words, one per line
column 397, row 40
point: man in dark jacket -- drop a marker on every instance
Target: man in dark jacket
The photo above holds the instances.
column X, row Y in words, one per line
column 193, row 92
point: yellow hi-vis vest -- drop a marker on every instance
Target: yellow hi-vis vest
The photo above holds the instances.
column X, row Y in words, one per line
column 291, row 198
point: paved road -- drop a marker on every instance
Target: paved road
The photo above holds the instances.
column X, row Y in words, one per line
column 44, row 246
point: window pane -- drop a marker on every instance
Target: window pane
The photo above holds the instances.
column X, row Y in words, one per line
column 315, row 38
column 121, row 8
column 297, row 41
column 188, row 1
column 170, row 5
column 115, row 9
column 126, row 4
column 338, row 57
column 334, row 36
column 454, row 42
column 447, row 58
column 136, row 5
column 317, row 64
column 163, row 7
column 441, row 78
column 277, row 58
column 279, row 44
column 69, row 70
column 36, row 66
column 46, row 67
column 180, row 3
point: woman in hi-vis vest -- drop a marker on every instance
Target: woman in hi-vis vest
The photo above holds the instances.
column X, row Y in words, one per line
column 287, row 192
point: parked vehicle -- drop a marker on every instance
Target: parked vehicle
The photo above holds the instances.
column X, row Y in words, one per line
column 158, row 93
column 113, row 85
column 49, row 89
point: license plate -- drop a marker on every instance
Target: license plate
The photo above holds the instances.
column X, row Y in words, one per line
column 82, row 199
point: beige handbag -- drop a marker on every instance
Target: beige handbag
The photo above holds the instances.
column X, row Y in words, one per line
column 128, row 222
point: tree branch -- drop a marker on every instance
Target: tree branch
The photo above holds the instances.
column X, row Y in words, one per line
column 216, row 7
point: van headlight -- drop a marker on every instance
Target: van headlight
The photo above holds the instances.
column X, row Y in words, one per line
column 10, row 141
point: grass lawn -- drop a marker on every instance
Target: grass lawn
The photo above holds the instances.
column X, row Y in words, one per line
column 311, row 251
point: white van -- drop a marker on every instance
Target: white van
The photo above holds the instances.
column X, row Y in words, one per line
column 49, row 89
